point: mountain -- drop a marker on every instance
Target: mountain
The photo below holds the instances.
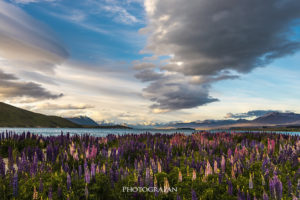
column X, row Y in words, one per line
column 83, row 120
column 11, row 116
column 270, row 119
column 277, row 118
column 208, row 123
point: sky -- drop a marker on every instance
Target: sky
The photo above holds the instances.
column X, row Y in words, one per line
column 150, row 61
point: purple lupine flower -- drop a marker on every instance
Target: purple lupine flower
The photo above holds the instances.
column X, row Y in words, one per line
column 68, row 181
column 79, row 171
column 298, row 187
column 2, row 167
column 15, row 185
column 141, row 181
column 93, row 170
column 272, row 188
column 34, row 165
column 230, row 188
column 41, row 186
column 87, row 176
column 194, row 195
column 50, row 193
column 265, row 196
column 85, row 164
column 289, row 183
column 278, row 186
column 147, row 175
column 248, row 196
column 178, row 197
column 229, row 153
column 59, row 192
column 220, row 177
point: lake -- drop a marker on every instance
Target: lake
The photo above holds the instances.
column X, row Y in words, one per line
column 104, row 132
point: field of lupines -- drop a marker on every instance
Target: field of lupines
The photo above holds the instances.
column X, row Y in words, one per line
column 199, row 166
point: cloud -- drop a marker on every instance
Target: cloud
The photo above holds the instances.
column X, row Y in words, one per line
column 174, row 92
column 121, row 14
column 39, row 77
column 27, row 43
column 50, row 106
column 126, row 116
column 207, row 39
column 143, row 65
column 119, row 11
column 7, row 77
column 148, row 75
column 211, row 79
column 11, row 87
column 252, row 113
column 211, row 35
column 32, row 1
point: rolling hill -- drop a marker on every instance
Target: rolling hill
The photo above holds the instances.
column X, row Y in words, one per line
column 11, row 116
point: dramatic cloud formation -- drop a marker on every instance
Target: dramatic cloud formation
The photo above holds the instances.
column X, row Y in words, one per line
column 26, row 43
column 170, row 95
column 173, row 91
column 11, row 87
column 211, row 37
column 252, row 113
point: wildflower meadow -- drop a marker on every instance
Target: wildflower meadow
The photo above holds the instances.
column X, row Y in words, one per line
column 203, row 165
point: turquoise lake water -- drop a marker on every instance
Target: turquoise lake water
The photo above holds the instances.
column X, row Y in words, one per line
column 104, row 132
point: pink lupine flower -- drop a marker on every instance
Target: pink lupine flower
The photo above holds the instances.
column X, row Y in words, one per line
column 231, row 160
column 271, row 145
column 223, row 162
column 75, row 155
column 179, row 176
column 194, row 176
column 178, row 140
column 232, row 172
column 216, row 169
column 93, row 153
column 208, row 169
column 158, row 167
column 166, row 185
column 87, row 153
column 102, row 140
column 72, row 148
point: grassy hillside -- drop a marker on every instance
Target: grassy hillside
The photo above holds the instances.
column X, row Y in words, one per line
column 11, row 116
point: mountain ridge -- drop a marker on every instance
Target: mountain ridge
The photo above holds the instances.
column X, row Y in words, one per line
column 83, row 120
column 269, row 119
column 11, row 116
